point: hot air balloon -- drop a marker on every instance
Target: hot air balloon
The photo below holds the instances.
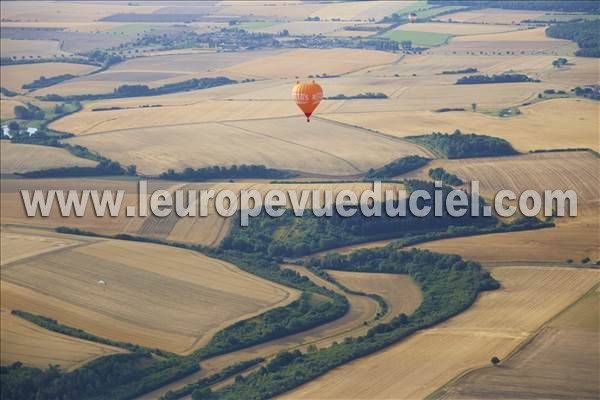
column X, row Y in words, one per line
column 307, row 95
column 102, row 283
column 412, row 17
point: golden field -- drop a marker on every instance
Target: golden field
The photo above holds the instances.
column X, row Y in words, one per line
column 29, row 48
column 145, row 283
column 400, row 292
column 457, row 29
column 569, row 240
column 530, row 41
column 539, row 126
column 360, row 10
column 284, row 143
column 491, row 16
column 209, row 230
column 494, row 325
column 25, row 342
column 46, row 11
column 15, row 76
column 30, row 157
column 304, row 62
column 565, row 349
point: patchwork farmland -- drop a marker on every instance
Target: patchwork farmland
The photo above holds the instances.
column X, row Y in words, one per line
column 198, row 96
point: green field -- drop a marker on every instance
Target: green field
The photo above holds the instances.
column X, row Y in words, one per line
column 418, row 38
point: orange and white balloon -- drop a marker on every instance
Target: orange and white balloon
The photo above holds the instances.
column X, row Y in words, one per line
column 307, row 95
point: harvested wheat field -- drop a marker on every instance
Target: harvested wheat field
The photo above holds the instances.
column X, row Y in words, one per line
column 529, row 41
column 457, row 29
column 572, row 240
column 285, row 143
column 362, row 309
column 208, row 230
column 491, row 16
column 15, row 76
column 145, row 283
column 13, row 211
column 565, row 170
column 24, row 243
column 292, row 10
column 540, row 126
column 560, row 362
column 29, row 48
column 400, row 292
column 157, row 70
column 45, row 11
column 90, row 122
column 25, row 342
column 304, row 62
column 495, row 325
column 30, row 157
column 360, row 10
column 7, row 107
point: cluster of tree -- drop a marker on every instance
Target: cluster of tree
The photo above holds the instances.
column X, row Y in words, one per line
column 447, row 178
column 449, row 286
column 549, row 5
column 363, row 28
column 143, row 90
column 41, row 60
column 449, row 109
column 552, row 91
column 104, row 168
column 93, row 380
column 501, row 78
column 298, row 316
column 201, row 389
column 469, row 70
column 315, row 19
column 559, row 62
column 8, row 93
column 55, row 326
column 43, row 82
column 585, row 33
column 589, row 92
column 367, row 95
column 233, row 172
column 29, row 112
column 459, row 145
column 104, row 58
column 397, row 167
column 309, row 233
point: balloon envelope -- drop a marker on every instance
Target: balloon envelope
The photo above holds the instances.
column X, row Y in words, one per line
column 307, row 95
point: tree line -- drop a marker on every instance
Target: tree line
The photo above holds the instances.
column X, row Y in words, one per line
column 232, row 172
column 585, row 33
column 501, row 78
column 143, row 90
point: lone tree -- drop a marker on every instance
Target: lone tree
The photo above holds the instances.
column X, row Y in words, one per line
column 495, row 360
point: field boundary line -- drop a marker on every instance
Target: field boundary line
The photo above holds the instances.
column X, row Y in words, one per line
column 382, row 135
column 521, row 346
column 293, row 143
